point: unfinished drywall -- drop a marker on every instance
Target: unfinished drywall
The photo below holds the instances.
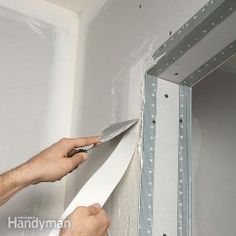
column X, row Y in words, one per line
column 115, row 48
column 35, row 71
column 213, row 155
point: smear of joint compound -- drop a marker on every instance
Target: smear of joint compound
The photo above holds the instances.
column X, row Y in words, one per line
column 127, row 84
column 35, row 25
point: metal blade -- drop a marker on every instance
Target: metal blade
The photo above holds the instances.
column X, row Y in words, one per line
column 116, row 129
column 107, row 134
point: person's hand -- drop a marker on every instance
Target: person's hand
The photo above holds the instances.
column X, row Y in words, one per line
column 52, row 164
column 87, row 221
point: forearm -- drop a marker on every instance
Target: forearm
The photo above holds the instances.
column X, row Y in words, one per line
column 48, row 166
column 13, row 181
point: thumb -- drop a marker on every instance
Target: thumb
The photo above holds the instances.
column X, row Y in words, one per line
column 94, row 209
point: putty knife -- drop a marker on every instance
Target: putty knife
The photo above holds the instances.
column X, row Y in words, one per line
column 107, row 134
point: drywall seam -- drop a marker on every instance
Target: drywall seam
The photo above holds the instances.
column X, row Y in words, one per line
column 103, row 182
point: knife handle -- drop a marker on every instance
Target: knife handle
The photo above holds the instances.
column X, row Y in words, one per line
column 79, row 150
column 75, row 151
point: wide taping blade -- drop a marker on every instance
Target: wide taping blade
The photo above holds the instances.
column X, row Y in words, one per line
column 107, row 134
column 116, row 129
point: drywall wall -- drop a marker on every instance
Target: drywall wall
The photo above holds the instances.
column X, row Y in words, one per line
column 213, row 155
column 36, row 78
column 116, row 42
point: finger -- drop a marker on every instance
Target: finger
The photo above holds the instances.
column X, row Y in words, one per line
column 77, row 159
column 81, row 211
column 103, row 219
column 94, row 209
column 81, row 142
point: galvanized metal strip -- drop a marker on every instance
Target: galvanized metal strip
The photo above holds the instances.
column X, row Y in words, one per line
column 211, row 65
column 148, row 162
column 211, row 15
column 166, row 160
column 184, row 163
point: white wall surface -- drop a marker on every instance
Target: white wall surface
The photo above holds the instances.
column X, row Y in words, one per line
column 214, row 155
column 35, row 102
column 115, row 47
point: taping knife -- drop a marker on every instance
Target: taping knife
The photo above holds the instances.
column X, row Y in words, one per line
column 107, row 134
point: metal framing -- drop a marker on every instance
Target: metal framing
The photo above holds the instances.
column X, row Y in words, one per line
column 209, row 18
column 184, row 162
column 211, row 65
column 161, row 100
column 177, row 45
column 166, row 159
column 147, row 178
column 208, row 21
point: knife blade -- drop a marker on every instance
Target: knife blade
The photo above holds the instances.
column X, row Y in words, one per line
column 106, row 135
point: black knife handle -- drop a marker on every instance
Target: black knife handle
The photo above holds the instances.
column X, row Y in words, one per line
column 76, row 151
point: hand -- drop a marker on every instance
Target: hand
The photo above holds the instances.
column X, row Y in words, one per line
column 52, row 164
column 49, row 165
column 87, row 221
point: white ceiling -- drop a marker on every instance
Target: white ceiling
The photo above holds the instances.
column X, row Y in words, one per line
column 74, row 5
